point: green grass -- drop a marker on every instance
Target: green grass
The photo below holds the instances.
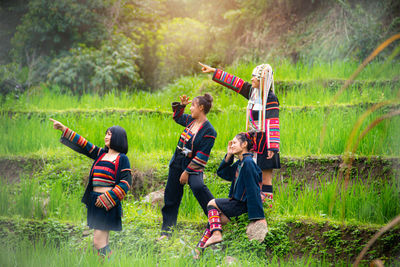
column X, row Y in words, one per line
column 366, row 201
column 148, row 133
column 310, row 94
column 32, row 200
column 285, row 70
column 44, row 253
column 55, row 193
column 314, row 92
column 318, row 95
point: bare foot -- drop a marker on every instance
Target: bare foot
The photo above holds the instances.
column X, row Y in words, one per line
column 197, row 253
column 161, row 238
column 215, row 238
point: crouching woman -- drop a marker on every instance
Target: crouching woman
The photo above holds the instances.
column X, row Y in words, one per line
column 244, row 194
column 109, row 181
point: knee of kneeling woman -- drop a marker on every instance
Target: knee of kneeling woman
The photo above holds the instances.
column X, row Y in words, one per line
column 212, row 203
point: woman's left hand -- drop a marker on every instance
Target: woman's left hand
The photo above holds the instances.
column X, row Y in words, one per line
column 270, row 154
column 184, row 178
column 98, row 203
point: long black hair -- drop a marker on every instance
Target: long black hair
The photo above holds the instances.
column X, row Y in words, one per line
column 249, row 137
column 119, row 140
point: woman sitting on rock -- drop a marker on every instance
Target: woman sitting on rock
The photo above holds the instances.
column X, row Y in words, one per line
column 267, row 140
column 244, row 194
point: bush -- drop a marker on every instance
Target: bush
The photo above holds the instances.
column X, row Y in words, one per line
column 87, row 69
column 13, row 79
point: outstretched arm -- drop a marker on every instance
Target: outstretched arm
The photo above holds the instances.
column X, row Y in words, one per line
column 75, row 141
column 228, row 80
column 206, row 69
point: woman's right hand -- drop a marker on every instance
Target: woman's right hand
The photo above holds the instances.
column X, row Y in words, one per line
column 184, row 100
column 58, row 125
column 229, row 152
column 206, row 69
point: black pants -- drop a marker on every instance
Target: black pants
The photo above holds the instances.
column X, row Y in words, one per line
column 173, row 196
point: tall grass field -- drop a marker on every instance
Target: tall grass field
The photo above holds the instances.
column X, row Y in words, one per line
column 305, row 92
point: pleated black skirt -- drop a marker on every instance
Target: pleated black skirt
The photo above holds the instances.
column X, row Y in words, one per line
column 100, row 219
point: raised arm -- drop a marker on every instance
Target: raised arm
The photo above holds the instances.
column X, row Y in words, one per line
column 75, row 141
column 226, row 170
column 228, row 80
column 179, row 108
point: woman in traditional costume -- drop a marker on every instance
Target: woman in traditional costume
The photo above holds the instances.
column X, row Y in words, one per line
column 109, row 181
column 190, row 158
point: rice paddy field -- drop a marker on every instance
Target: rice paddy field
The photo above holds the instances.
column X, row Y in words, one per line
column 314, row 121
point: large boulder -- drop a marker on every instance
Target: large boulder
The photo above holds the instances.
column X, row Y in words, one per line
column 257, row 230
column 155, row 198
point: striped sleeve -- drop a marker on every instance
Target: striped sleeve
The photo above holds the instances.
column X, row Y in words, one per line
column 79, row 144
column 179, row 116
column 232, row 82
column 110, row 198
column 199, row 161
column 272, row 123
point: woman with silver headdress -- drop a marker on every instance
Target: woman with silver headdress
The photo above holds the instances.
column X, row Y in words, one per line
column 262, row 117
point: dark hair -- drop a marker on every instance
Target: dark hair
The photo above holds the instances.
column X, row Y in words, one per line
column 205, row 101
column 248, row 137
column 119, row 141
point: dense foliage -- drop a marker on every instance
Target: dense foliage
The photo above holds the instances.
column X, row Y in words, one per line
column 44, row 38
column 89, row 69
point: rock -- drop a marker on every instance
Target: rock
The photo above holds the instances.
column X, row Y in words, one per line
column 87, row 232
column 257, row 230
column 155, row 198
column 230, row 260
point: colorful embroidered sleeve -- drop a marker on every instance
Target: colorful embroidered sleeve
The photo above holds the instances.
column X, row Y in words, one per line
column 199, row 161
column 272, row 123
column 79, row 144
column 179, row 116
column 113, row 196
column 232, row 82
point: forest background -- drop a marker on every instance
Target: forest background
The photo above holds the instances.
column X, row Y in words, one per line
column 120, row 44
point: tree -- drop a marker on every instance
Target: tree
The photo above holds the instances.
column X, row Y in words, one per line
column 50, row 27
column 181, row 43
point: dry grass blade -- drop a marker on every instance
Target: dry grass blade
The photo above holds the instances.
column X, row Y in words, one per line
column 388, row 226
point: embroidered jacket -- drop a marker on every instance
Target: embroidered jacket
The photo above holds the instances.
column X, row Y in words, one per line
column 271, row 138
column 246, row 178
column 123, row 177
column 200, row 144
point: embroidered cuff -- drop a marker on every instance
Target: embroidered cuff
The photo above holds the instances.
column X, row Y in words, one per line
column 107, row 201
